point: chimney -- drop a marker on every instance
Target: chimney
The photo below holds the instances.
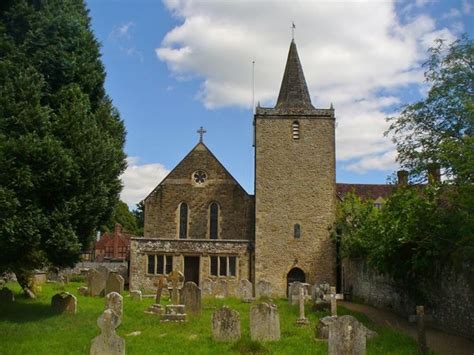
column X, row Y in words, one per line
column 434, row 173
column 402, row 177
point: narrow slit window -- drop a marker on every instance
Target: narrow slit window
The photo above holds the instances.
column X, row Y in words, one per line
column 297, row 231
column 183, row 221
column 295, row 130
column 213, row 220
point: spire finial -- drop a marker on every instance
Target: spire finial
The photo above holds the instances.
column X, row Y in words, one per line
column 293, row 31
column 201, row 132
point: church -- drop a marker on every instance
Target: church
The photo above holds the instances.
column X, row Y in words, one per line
column 200, row 221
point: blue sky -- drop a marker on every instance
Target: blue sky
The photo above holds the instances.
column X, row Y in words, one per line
column 176, row 65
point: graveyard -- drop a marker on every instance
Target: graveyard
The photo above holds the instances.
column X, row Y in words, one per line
column 32, row 326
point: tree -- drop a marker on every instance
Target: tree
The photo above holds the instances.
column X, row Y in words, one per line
column 61, row 139
column 439, row 129
column 123, row 216
column 139, row 213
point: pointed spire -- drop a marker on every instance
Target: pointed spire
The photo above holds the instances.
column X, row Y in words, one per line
column 294, row 91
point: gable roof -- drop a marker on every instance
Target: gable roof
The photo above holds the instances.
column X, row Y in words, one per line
column 365, row 191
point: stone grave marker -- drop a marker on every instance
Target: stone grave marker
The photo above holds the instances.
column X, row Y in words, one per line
column 264, row 322
column 346, row 336
column 302, row 320
column 175, row 311
column 294, row 292
column 333, row 301
column 115, row 283
column 95, row 283
column 207, row 287
column 160, row 284
column 245, row 290
column 176, row 278
column 136, row 295
column 263, row 289
column 114, row 301
column 222, row 289
column 320, row 296
column 64, row 302
column 225, row 325
column 322, row 328
column 191, row 297
column 420, row 318
column 108, row 342
column 6, row 295
column 83, row 290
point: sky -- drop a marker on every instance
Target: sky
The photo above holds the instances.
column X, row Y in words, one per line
column 176, row 65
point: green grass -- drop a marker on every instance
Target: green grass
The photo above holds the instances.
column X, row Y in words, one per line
column 30, row 327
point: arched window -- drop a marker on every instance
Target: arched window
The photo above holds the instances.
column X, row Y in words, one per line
column 183, row 221
column 213, row 220
column 295, row 130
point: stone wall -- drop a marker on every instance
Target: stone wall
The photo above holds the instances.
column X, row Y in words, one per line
column 295, row 184
column 142, row 247
column 449, row 295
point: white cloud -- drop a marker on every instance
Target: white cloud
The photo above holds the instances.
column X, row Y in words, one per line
column 122, row 36
column 122, row 31
column 140, row 179
column 384, row 162
column 350, row 51
column 453, row 12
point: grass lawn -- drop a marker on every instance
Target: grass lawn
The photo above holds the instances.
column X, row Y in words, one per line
column 29, row 327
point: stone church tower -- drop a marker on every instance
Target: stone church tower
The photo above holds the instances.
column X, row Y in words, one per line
column 295, row 187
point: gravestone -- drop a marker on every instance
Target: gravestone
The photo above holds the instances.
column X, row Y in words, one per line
column 114, row 301
column 264, row 322
column 221, row 289
column 263, row 289
column 322, row 328
column 225, row 325
column 108, row 342
column 207, row 287
column 83, row 291
column 302, row 320
column 96, row 282
column 160, row 284
column 115, row 283
column 136, row 295
column 191, row 297
column 319, row 296
column 6, row 295
column 346, row 336
column 333, row 301
column 420, row 318
column 174, row 312
column 294, row 292
column 64, row 302
column 245, row 290
column 176, row 278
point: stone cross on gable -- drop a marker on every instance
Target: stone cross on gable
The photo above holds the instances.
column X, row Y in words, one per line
column 201, row 132
column 176, row 278
column 420, row 318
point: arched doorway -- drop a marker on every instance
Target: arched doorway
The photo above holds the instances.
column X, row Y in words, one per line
column 295, row 274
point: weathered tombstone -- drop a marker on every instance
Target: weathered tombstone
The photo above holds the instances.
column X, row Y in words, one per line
column 225, row 325
column 6, row 295
column 302, row 320
column 104, row 271
column 420, row 318
column 115, row 283
column 160, row 284
column 136, row 295
column 175, row 311
column 264, row 322
column 95, row 283
column 322, row 328
column 245, row 290
column 294, row 292
column 84, row 291
column 176, row 279
column 64, row 302
column 207, row 287
column 263, row 289
column 346, row 336
column 333, row 301
column 222, row 289
column 320, row 296
column 191, row 297
column 108, row 342
column 114, row 301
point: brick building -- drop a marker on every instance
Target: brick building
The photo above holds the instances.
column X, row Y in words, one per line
column 199, row 220
column 113, row 246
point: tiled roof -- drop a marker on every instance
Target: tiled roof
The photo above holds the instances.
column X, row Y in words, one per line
column 107, row 240
column 365, row 191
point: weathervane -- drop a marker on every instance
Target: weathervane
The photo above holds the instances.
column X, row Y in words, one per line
column 293, row 30
column 201, row 132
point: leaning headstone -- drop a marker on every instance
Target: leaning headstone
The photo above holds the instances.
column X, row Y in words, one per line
column 225, row 325
column 136, row 295
column 115, row 283
column 191, row 297
column 6, row 295
column 64, row 302
column 263, row 289
column 264, row 322
column 346, row 336
column 114, row 301
column 108, row 342
column 222, row 289
column 207, row 287
column 294, row 292
column 95, row 283
column 245, row 290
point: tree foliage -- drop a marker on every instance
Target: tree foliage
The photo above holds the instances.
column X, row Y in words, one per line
column 439, row 129
column 124, row 217
column 61, row 139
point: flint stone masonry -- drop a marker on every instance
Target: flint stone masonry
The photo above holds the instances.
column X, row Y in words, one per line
column 108, row 342
column 346, row 336
column 64, row 302
column 191, row 297
column 114, row 301
column 245, row 290
column 264, row 322
column 6, row 295
column 115, row 283
column 225, row 325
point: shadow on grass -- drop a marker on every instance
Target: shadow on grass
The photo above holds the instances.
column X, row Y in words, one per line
column 22, row 312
